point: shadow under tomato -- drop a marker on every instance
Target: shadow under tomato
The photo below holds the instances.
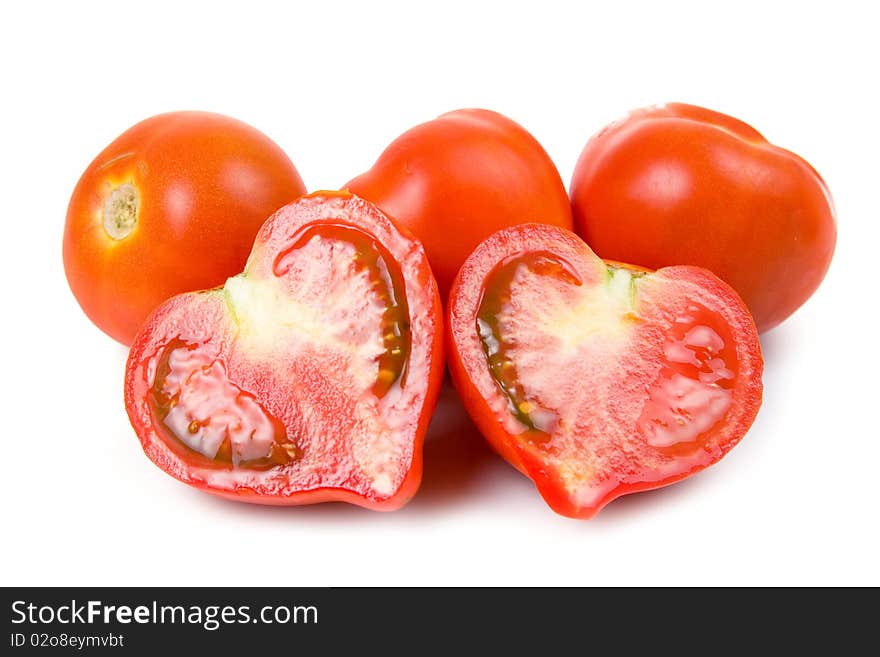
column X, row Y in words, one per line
column 776, row 345
column 455, row 454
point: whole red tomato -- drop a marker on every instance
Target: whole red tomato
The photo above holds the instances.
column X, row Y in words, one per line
column 457, row 179
column 683, row 185
column 172, row 205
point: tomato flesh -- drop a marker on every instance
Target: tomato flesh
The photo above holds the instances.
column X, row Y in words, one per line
column 539, row 421
column 597, row 380
column 308, row 377
column 694, row 387
column 385, row 280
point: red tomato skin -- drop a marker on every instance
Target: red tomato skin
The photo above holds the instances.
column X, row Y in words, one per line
column 206, row 183
column 457, row 179
column 678, row 184
column 429, row 320
column 463, row 361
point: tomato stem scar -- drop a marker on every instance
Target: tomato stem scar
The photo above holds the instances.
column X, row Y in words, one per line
column 120, row 212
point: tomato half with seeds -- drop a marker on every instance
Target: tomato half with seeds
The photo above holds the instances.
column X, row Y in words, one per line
column 309, row 377
column 171, row 205
column 599, row 379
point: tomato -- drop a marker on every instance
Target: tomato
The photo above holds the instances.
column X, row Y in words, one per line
column 171, row 205
column 457, row 179
column 682, row 185
column 599, row 379
column 310, row 377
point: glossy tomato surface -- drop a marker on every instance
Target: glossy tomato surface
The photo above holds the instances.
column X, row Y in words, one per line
column 172, row 205
column 309, row 377
column 597, row 379
column 682, row 185
column 457, row 179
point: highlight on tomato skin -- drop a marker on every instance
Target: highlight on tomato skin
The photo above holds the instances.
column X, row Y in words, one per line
column 598, row 379
column 678, row 184
column 309, row 377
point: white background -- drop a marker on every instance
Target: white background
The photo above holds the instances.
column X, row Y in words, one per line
column 796, row 503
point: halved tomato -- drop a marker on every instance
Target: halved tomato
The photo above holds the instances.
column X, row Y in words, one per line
column 599, row 379
column 309, row 377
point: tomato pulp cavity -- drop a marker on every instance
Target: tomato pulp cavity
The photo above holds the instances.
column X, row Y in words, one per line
column 309, row 377
column 598, row 379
